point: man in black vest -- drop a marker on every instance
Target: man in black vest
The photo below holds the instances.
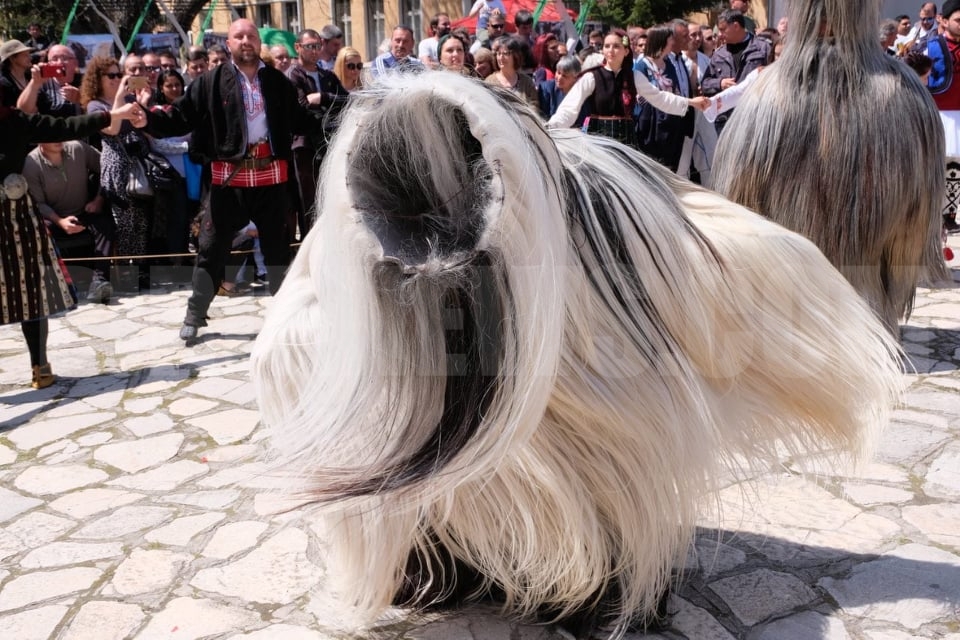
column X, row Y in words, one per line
column 243, row 115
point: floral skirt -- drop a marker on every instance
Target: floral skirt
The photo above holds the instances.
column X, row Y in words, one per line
column 33, row 280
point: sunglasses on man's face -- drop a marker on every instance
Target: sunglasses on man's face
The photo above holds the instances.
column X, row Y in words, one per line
column 496, row 26
column 312, row 46
column 354, row 66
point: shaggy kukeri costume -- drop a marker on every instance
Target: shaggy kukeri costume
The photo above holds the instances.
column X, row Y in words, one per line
column 509, row 362
column 843, row 144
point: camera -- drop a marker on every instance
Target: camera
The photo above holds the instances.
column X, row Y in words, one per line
column 51, row 70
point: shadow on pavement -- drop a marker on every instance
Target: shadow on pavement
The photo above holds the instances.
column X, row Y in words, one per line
column 67, row 390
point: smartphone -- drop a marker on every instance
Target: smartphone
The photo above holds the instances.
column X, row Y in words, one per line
column 137, row 83
column 52, row 70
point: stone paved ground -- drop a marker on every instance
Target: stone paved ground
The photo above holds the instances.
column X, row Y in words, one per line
column 132, row 504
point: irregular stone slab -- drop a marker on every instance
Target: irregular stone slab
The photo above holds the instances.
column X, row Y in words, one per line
column 714, row 557
column 147, row 570
column 140, row 454
column 871, row 494
column 31, row 530
column 213, row 387
column 33, row 624
column 13, row 504
column 196, row 618
column 227, row 427
column 142, row 405
column 233, row 538
column 941, row 401
column 165, row 478
column 58, row 554
column 7, row 455
column 182, row 530
column 217, row 499
column 46, row 585
column 93, row 439
column 54, row 447
column 44, row 480
column 86, row 502
column 255, row 475
column 277, row 571
column 104, row 620
column 808, row 625
column 282, row 632
column 123, row 521
column 148, row 425
column 943, row 478
column 911, row 586
column 907, row 443
column 939, row 522
column 190, row 406
column 694, row 622
column 43, row 431
column 756, row 596
column 231, row 453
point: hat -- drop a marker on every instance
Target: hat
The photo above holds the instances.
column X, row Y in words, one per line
column 11, row 48
column 949, row 7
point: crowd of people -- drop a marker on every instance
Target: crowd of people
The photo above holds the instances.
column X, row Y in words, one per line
column 234, row 135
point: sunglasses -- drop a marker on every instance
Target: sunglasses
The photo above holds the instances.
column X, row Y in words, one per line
column 926, row 19
column 495, row 26
column 354, row 66
column 113, row 76
column 153, row 69
column 313, row 46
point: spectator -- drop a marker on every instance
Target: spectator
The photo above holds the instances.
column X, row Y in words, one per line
column 398, row 58
column 105, row 88
column 349, row 69
column 15, row 63
column 496, row 27
column 708, row 41
column 151, row 66
column 485, row 10
column 173, row 209
column 552, row 92
column 545, row 55
column 732, row 62
column 888, row 36
column 41, row 290
column 281, row 57
column 508, row 53
column 428, row 51
column 331, row 39
column 197, row 64
column 743, row 6
column 59, row 175
column 37, row 40
column 57, row 96
column 452, row 52
column 483, row 62
column 168, row 61
column 217, row 54
column 319, row 91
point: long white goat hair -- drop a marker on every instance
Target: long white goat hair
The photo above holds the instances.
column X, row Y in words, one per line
column 843, row 144
column 509, row 363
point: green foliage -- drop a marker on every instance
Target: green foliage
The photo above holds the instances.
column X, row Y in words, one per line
column 17, row 15
column 622, row 13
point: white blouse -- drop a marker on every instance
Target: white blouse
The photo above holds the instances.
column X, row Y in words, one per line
column 569, row 108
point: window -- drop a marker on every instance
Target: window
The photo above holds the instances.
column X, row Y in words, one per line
column 263, row 15
column 343, row 19
column 291, row 18
column 411, row 14
column 376, row 27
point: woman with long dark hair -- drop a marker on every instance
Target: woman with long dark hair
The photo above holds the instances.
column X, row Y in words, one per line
column 610, row 92
column 33, row 287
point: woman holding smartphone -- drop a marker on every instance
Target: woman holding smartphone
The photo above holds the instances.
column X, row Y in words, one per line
column 104, row 88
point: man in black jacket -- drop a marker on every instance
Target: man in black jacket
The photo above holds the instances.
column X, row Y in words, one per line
column 321, row 92
column 243, row 116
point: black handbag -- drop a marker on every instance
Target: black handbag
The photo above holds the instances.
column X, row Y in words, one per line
column 160, row 173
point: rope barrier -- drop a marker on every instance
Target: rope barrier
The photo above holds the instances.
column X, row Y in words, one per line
column 151, row 256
